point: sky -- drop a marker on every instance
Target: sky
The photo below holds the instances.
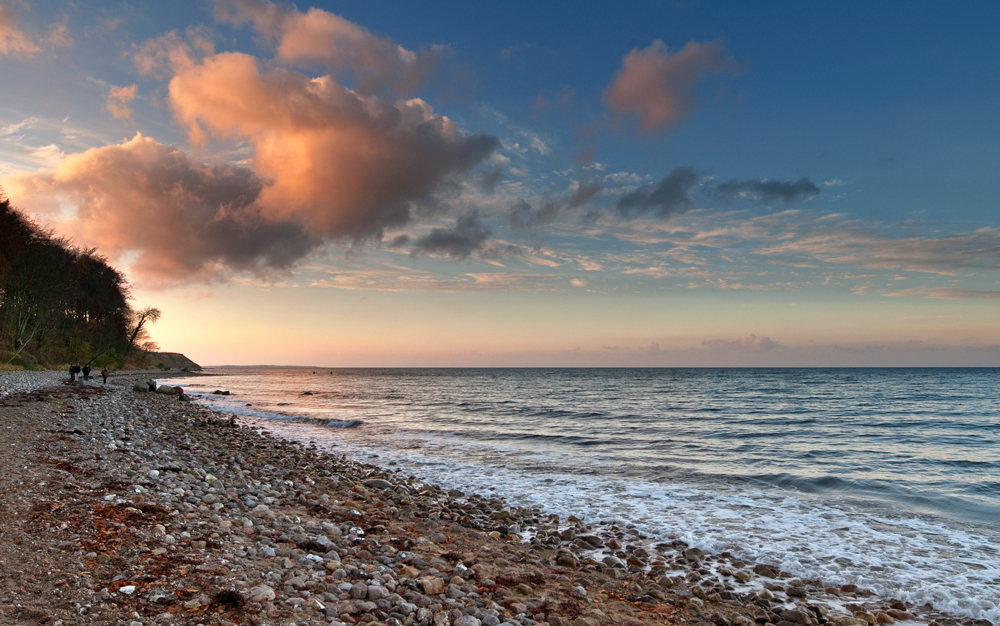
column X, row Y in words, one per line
column 585, row 184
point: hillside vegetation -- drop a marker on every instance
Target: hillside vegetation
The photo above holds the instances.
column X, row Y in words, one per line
column 62, row 304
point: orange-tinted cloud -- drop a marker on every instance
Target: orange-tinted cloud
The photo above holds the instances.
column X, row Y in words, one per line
column 118, row 102
column 59, row 36
column 176, row 220
column 659, row 87
column 13, row 41
column 321, row 38
column 344, row 164
column 163, row 56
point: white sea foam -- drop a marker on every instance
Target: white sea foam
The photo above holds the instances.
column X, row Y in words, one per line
column 664, row 451
column 910, row 559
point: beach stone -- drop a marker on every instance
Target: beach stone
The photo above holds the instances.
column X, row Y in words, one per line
column 763, row 570
column 432, row 585
column 635, row 561
column 900, row 615
column 566, row 559
column 140, row 387
column 169, row 390
column 797, row 617
column 467, row 620
column 882, row 618
column 377, row 483
column 261, row 593
column 359, row 591
column 693, row 554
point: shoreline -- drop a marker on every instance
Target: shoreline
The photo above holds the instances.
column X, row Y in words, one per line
column 119, row 495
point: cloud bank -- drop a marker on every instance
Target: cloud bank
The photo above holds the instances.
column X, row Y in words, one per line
column 328, row 164
column 344, row 164
column 181, row 220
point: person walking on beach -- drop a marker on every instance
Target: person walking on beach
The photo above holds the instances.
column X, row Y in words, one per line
column 86, row 372
column 73, row 371
column 104, row 374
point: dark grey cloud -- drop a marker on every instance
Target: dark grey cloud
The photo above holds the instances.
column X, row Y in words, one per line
column 767, row 191
column 583, row 194
column 663, row 199
column 398, row 242
column 523, row 215
column 488, row 180
column 468, row 235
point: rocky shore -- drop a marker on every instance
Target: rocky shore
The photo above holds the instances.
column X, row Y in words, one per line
column 124, row 507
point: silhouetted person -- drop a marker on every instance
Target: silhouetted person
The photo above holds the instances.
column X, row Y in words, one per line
column 86, row 372
column 104, row 374
column 73, row 371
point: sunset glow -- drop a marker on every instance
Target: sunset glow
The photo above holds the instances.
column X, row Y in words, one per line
column 454, row 185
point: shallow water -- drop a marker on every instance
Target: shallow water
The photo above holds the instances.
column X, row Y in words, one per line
column 886, row 478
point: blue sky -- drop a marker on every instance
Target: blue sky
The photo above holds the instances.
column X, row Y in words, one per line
column 684, row 183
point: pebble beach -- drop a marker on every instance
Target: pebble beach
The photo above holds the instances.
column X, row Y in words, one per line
column 129, row 507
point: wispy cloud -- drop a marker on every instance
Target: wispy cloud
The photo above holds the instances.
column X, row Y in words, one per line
column 945, row 293
column 747, row 343
column 14, row 41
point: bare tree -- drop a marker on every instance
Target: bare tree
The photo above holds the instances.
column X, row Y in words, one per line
column 139, row 328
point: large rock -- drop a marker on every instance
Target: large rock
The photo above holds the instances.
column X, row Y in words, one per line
column 169, row 390
column 140, row 387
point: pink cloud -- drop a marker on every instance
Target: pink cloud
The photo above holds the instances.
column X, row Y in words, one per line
column 659, row 87
column 176, row 220
column 341, row 163
column 321, row 38
column 12, row 39
column 118, row 102
column 16, row 42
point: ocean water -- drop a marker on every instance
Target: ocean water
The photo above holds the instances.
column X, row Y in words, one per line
column 884, row 478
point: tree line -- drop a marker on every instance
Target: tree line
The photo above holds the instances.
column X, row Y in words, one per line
column 61, row 304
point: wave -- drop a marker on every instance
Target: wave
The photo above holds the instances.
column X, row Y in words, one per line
column 327, row 423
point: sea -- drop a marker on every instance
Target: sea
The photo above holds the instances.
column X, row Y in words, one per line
column 884, row 478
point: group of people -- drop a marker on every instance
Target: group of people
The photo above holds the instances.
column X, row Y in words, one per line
column 75, row 369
